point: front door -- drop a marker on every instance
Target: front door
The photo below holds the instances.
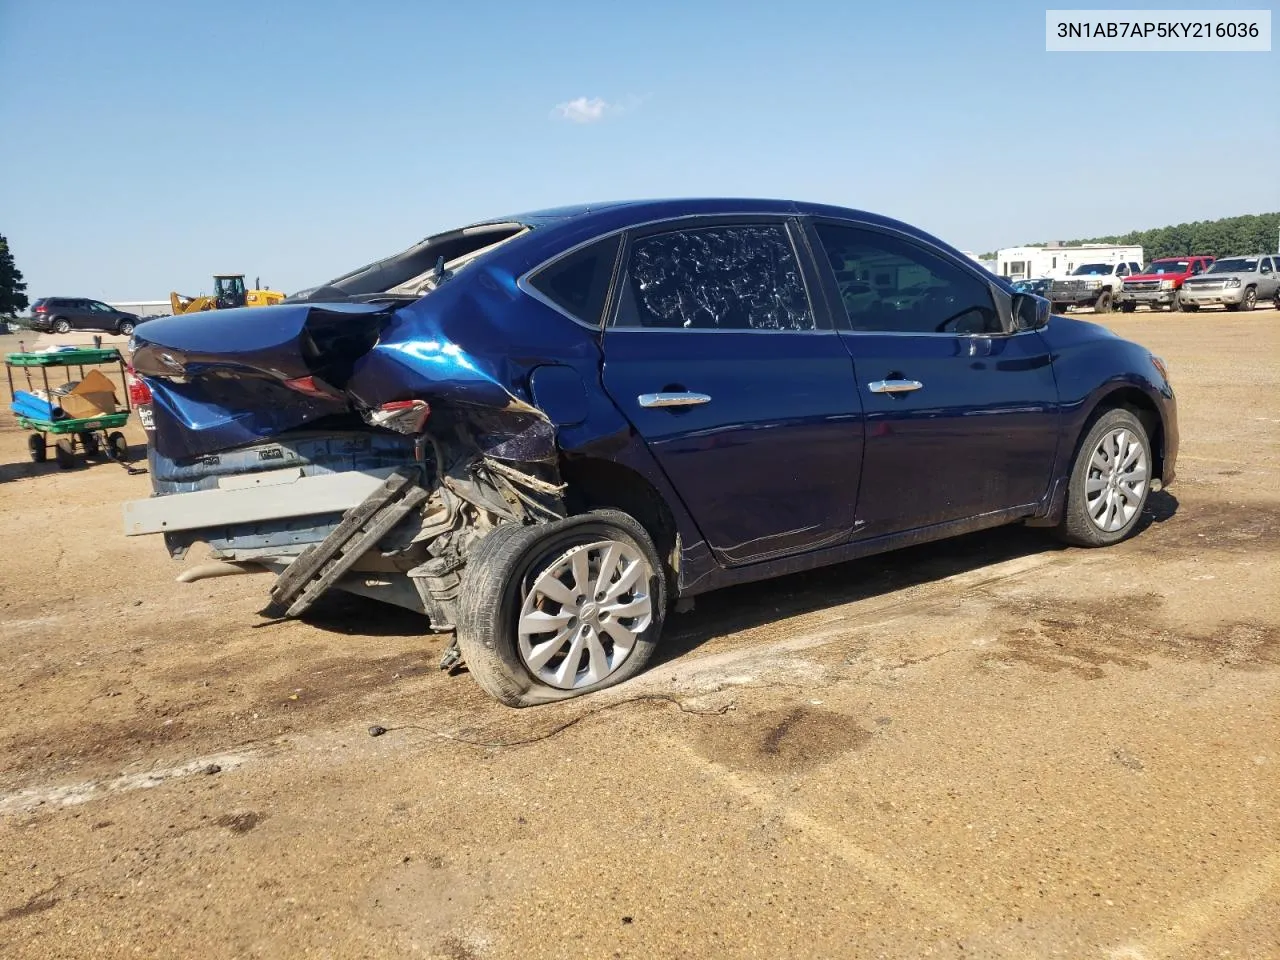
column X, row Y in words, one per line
column 961, row 413
column 734, row 377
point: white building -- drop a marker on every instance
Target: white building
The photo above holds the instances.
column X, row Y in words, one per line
column 1057, row 260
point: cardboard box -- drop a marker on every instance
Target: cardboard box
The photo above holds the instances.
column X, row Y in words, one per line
column 91, row 397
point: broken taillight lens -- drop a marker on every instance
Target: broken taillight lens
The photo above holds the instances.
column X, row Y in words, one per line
column 139, row 392
column 402, row 416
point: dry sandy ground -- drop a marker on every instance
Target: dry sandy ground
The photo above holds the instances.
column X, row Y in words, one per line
column 985, row 748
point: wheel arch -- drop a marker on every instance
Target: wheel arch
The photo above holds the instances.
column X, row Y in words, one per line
column 1136, row 400
column 593, row 483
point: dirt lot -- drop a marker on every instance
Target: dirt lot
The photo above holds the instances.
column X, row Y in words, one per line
column 985, row 748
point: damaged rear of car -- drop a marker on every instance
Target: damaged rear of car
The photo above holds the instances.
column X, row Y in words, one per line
column 348, row 439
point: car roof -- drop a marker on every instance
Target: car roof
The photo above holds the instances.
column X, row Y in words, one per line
column 563, row 226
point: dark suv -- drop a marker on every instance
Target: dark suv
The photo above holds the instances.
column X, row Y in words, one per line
column 64, row 314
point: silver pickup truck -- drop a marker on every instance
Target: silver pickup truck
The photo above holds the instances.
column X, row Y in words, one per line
column 1094, row 285
column 1237, row 283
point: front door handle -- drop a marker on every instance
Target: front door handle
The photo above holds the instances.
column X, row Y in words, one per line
column 681, row 399
column 894, row 386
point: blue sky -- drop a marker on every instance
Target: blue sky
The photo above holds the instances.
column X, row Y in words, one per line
column 151, row 144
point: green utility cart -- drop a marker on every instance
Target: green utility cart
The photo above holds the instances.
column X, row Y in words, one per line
column 98, row 434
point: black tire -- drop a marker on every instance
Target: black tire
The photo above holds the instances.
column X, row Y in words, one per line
column 89, row 441
column 36, row 448
column 62, row 453
column 117, row 446
column 125, row 328
column 1129, row 307
column 1176, row 303
column 1188, row 307
column 1250, row 298
column 1103, row 303
column 1077, row 527
column 496, row 580
column 60, row 325
column 1059, row 308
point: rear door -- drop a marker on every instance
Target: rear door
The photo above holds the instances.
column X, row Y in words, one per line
column 729, row 367
column 961, row 414
column 79, row 314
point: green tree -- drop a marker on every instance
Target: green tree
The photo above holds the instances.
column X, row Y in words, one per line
column 1228, row 237
column 13, row 290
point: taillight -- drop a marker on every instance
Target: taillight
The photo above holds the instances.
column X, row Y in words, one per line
column 139, row 392
column 41, row 309
column 309, row 386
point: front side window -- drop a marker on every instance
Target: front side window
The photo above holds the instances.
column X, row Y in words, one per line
column 890, row 285
column 1266, row 265
column 739, row 277
column 1122, row 271
column 578, row 283
column 99, row 307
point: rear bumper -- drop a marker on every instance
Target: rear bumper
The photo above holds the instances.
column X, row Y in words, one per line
column 252, row 498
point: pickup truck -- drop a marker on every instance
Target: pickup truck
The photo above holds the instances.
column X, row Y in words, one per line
column 1094, row 285
column 1160, row 282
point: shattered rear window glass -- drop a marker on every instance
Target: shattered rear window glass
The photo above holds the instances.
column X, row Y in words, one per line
column 720, row 278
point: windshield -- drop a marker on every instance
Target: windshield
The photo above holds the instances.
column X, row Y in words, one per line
column 1235, row 265
column 1167, row 266
column 1092, row 270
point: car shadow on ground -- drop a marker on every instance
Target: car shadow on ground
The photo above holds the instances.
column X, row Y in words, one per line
column 733, row 609
column 751, row 605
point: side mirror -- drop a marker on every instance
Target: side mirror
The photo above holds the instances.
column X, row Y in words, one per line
column 1030, row 312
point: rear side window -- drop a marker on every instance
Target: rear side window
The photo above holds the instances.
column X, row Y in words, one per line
column 579, row 283
column 740, row 277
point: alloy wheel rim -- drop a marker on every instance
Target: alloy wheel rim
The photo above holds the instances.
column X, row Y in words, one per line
column 584, row 614
column 1117, row 480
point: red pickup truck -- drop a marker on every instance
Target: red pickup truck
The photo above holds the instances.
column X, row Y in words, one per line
column 1160, row 283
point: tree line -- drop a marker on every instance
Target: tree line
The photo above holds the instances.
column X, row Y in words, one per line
column 1227, row 237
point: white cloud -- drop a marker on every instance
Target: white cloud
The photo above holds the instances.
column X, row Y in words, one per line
column 585, row 110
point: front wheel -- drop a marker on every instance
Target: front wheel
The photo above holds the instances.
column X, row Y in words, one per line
column 1250, row 299
column 1128, row 307
column 36, row 448
column 117, row 446
column 1110, row 480
column 1103, row 303
column 1188, row 307
column 554, row 610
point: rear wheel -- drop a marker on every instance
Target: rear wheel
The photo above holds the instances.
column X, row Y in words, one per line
column 36, row 448
column 1110, row 481
column 125, row 328
column 555, row 610
column 89, row 440
column 61, row 326
column 1103, row 303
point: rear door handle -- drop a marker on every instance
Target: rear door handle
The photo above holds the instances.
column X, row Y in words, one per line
column 894, row 386
column 681, row 399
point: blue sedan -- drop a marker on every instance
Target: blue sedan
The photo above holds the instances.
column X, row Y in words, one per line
column 540, row 431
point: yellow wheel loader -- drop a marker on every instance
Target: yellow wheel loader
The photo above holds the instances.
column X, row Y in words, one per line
column 228, row 292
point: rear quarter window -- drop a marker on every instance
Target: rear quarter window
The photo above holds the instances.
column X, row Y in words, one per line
column 578, row 283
